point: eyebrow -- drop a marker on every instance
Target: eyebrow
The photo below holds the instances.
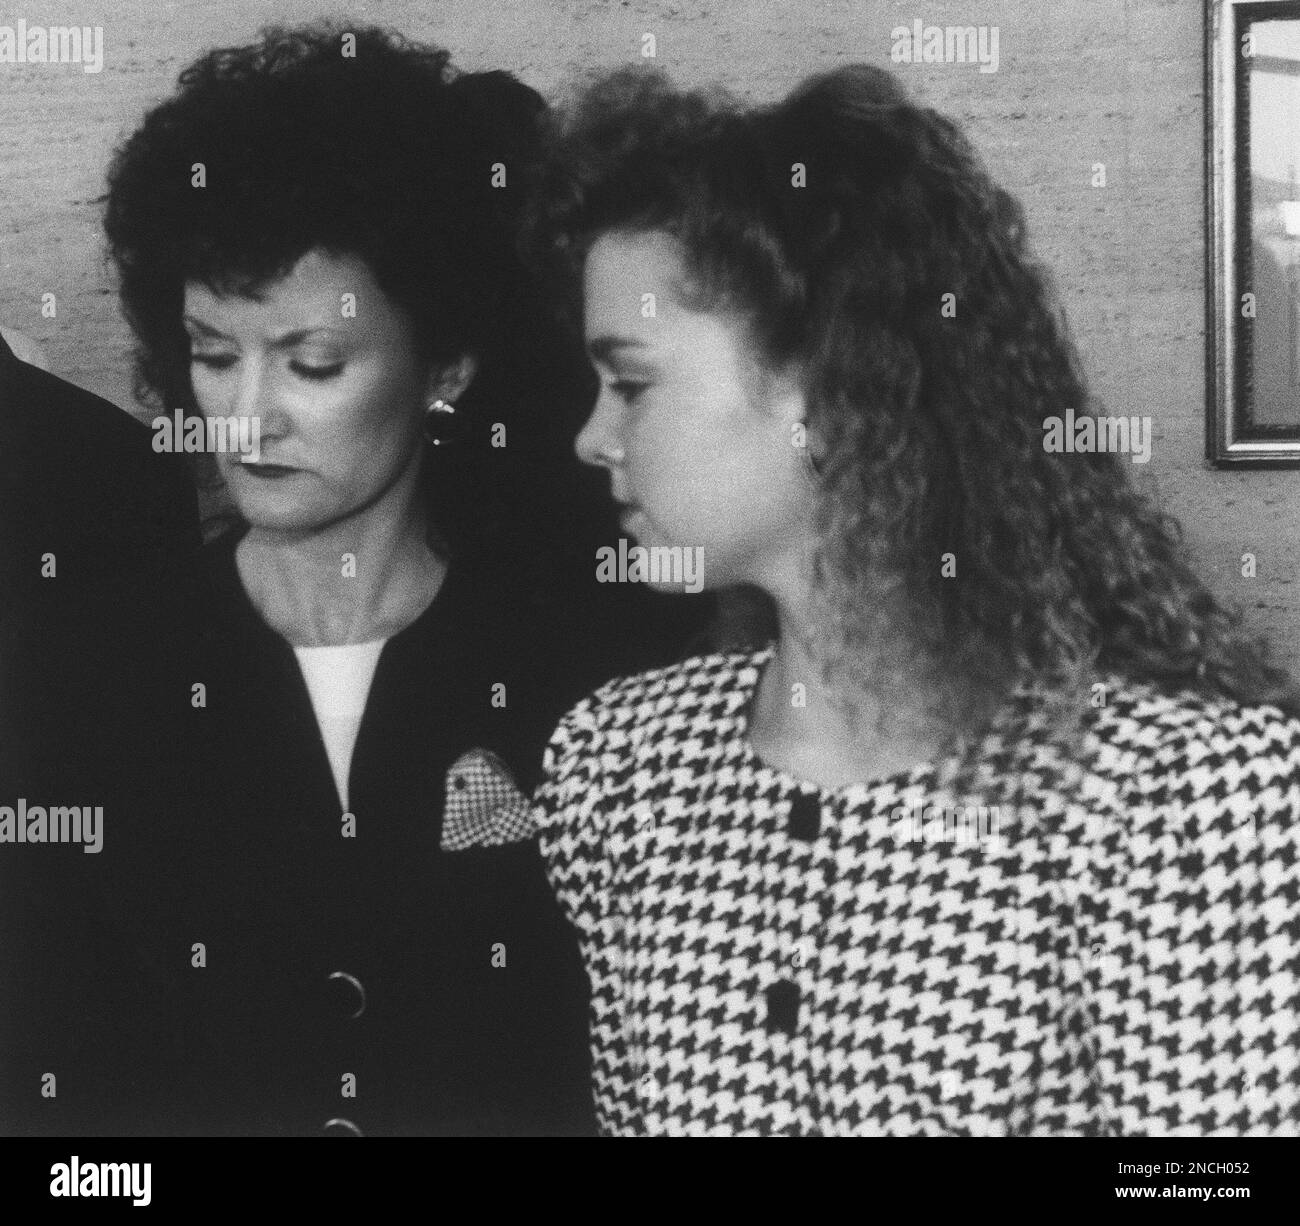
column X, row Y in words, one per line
column 602, row 348
column 288, row 340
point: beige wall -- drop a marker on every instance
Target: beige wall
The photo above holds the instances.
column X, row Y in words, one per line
column 1077, row 83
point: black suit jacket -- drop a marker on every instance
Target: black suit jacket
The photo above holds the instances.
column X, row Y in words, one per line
column 449, row 1042
column 86, row 711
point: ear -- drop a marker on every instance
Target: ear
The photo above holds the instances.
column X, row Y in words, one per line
column 788, row 403
column 450, row 382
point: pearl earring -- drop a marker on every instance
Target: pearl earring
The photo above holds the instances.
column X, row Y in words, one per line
column 439, row 417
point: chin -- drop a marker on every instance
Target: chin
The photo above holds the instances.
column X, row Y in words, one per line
column 259, row 517
column 679, row 589
column 279, row 515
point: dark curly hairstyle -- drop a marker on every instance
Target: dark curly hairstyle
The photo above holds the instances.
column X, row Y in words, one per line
column 384, row 152
column 933, row 426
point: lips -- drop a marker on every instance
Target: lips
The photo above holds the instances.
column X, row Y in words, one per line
column 267, row 470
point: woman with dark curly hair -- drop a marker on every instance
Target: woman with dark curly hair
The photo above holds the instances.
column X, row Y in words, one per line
column 314, row 242
column 1000, row 835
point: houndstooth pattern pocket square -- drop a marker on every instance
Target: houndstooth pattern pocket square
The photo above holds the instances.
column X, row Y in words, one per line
column 483, row 807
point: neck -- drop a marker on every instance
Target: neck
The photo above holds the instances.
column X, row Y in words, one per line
column 815, row 723
column 360, row 578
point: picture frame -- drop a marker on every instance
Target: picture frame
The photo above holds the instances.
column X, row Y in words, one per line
column 1252, row 92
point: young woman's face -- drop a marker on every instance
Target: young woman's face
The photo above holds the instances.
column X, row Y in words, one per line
column 696, row 438
column 338, row 396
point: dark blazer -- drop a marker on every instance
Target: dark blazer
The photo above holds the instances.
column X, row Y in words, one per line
column 447, row 1042
column 86, row 707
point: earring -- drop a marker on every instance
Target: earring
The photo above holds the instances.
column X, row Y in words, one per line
column 439, row 422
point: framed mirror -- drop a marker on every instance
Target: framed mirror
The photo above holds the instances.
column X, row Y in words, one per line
column 1253, row 232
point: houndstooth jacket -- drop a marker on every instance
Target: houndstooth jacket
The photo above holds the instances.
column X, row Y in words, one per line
column 1121, row 956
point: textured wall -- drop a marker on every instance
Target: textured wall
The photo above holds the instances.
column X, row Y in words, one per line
column 1103, row 81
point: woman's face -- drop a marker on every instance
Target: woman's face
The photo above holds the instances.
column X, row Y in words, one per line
column 338, row 393
column 696, row 437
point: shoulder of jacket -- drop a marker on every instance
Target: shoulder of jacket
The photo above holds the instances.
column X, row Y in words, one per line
column 649, row 703
column 1198, row 757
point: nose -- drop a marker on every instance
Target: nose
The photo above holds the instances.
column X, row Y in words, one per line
column 254, row 397
column 236, row 396
column 598, row 441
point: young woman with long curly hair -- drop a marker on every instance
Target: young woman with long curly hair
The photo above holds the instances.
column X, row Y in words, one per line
column 999, row 835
